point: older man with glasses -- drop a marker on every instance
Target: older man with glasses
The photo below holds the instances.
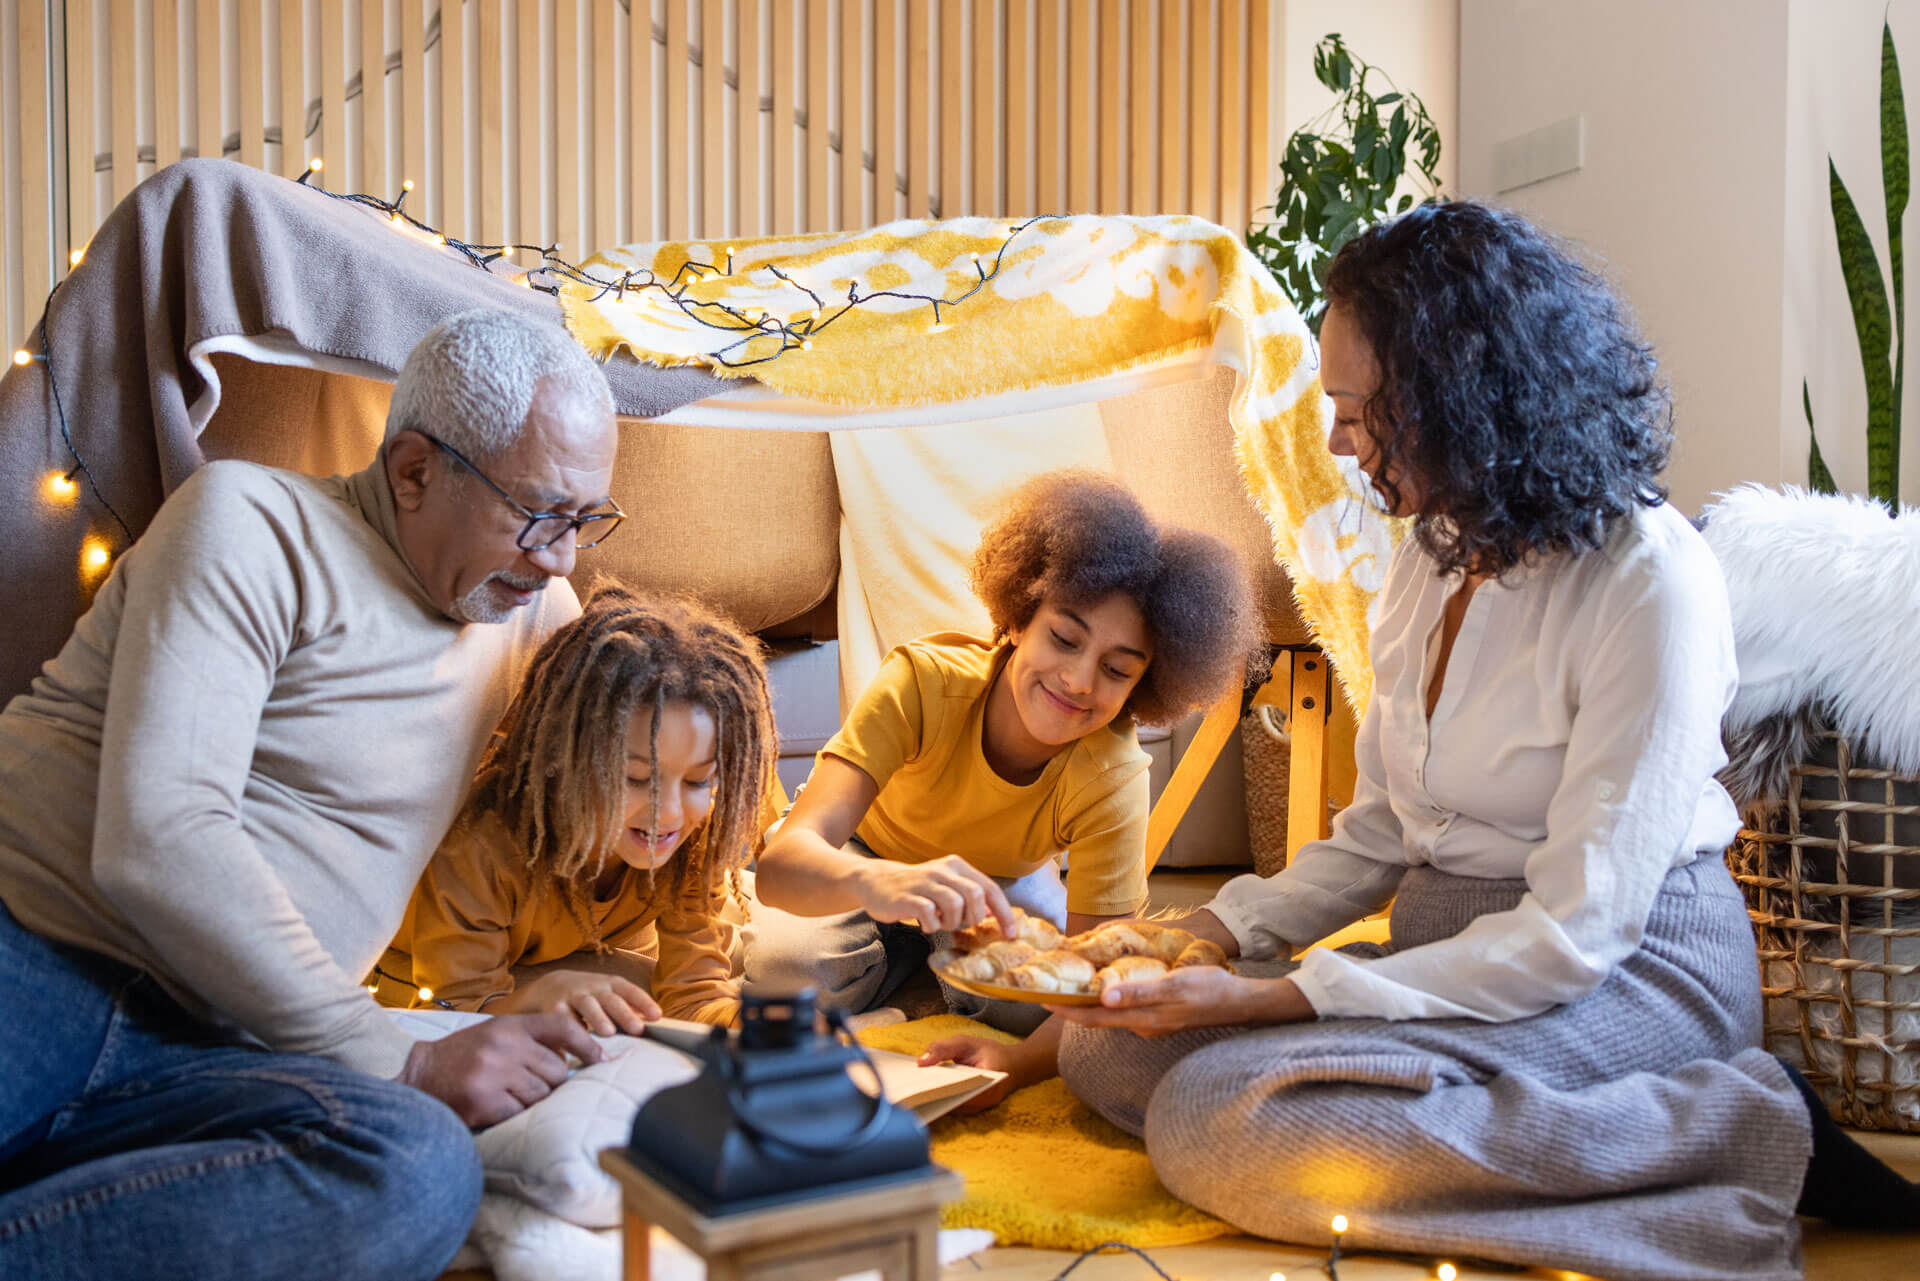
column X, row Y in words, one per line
column 214, row 803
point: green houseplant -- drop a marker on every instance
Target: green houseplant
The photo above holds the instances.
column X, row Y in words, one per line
column 1879, row 327
column 1340, row 171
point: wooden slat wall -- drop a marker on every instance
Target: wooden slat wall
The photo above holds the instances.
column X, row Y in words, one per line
column 630, row 128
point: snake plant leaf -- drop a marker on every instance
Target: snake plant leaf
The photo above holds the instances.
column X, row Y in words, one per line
column 1819, row 479
column 1894, row 175
column 1873, row 326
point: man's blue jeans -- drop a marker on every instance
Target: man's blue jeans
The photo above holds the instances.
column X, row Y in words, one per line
column 137, row 1141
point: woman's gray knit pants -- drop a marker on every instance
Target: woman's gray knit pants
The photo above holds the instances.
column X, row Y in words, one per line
column 1637, row 1133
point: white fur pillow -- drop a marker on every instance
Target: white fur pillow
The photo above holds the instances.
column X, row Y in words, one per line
column 549, row 1155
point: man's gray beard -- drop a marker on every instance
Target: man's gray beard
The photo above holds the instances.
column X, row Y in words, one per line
column 483, row 604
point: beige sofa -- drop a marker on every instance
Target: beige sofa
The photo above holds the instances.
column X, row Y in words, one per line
column 750, row 521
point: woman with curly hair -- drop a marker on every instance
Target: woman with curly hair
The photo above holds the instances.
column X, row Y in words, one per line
column 613, row 810
column 972, row 765
column 1554, row 1060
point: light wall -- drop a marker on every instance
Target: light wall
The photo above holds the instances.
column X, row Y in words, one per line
column 1683, row 197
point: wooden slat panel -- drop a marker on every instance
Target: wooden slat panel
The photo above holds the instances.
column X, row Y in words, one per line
column 1146, row 32
column 853, row 163
column 333, row 96
column 678, row 189
column 126, row 139
column 490, row 170
column 373, row 99
column 886, row 112
column 714, row 221
column 413, row 92
column 206, row 74
column 641, row 123
column 785, row 219
column 455, row 219
column 1233, row 116
column 1173, row 157
column 1019, row 133
column 953, row 157
column 293, row 88
column 749, row 174
column 82, row 216
column 1080, row 49
column 1110, row 122
column 528, row 226
column 1259, row 174
column 567, row 76
column 253, row 118
column 36, row 169
column 987, row 145
column 1201, row 91
column 819, row 54
column 919, row 141
column 166, row 82
column 1051, row 195
column 606, row 163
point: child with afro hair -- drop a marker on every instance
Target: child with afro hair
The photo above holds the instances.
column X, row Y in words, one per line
column 974, row 765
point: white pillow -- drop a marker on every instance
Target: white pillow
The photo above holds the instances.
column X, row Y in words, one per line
column 549, row 1155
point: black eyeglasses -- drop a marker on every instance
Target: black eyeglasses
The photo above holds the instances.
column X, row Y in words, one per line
column 544, row 529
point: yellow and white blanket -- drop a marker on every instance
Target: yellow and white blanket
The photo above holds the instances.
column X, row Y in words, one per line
column 1032, row 313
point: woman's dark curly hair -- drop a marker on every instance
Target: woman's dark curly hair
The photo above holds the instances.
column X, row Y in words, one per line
column 1075, row 538
column 1514, row 391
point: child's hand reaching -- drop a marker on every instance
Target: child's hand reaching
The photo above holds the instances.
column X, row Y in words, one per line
column 604, row 1003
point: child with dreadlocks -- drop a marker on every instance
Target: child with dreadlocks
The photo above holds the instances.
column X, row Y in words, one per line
column 617, row 802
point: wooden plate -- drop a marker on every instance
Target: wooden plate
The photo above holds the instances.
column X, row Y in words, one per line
column 1024, row 995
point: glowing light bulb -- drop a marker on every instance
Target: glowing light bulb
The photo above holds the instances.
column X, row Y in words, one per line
column 1339, row 1223
column 426, row 994
column 1448, row 1272
column 315, row 165
column 1277, row 1276
column 439, row 240
column 22, row 356
column 95, row 556
column 373, row 989
column 938, row 329
column 816, row 313
column 806, row 344
column 73, row 259
column 406, row 184
column 394, row 218
column 61, row 486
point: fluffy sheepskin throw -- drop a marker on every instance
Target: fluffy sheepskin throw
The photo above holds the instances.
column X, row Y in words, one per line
column 1825, row 592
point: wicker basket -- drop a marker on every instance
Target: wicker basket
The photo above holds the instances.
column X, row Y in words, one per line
column 1266, row 753
column 1832, row 880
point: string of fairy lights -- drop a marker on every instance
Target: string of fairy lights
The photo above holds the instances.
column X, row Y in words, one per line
column 750, row 335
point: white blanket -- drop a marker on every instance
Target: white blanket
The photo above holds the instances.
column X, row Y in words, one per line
column 549, row 1212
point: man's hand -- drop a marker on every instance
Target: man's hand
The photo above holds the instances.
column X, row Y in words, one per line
column 1204, row 924
column 488, row 1072
column 1196, row 996
column 1022, row 1064
column 602, row 1003
column 947, row 894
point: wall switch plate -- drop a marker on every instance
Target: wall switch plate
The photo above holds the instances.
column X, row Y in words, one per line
column 1543, row 153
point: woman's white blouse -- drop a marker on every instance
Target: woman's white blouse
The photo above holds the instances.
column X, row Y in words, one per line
column 1574, row 745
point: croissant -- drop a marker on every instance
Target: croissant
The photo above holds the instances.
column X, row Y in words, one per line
column 1129, row 969
column 1036, row 930
column 990, row 963
column 1055, row 971
column 1200, row 952
column 1105, row 944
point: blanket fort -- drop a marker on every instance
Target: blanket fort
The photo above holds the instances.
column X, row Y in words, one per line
column 916, row 312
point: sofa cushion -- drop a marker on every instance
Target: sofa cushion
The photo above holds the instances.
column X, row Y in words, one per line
column 1173, row 446
column 748, row 521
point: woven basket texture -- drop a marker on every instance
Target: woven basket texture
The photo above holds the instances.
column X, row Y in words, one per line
column 1832, row 880
column 1267, row 752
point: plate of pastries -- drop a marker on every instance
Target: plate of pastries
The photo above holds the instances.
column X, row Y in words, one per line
column 1040, row 965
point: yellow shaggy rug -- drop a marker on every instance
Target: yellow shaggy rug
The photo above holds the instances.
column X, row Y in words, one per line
column 971, row 308
column 1043, row 1170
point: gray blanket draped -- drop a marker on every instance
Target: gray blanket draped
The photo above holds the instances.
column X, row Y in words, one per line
column 207, row 249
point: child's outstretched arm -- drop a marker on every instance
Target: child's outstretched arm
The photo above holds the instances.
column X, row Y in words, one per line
column 805, row 871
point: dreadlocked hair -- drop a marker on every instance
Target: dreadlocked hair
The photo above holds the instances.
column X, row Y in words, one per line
column 555, row 775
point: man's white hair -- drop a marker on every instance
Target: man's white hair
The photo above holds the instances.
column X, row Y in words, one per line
column 471, row 380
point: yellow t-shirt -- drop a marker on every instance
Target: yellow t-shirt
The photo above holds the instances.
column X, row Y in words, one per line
column 916, row 732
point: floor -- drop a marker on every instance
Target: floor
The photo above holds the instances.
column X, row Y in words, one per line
column 1830, row 1255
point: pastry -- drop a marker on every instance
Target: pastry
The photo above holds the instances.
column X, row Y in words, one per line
column 1055, row 971
column 1037, row 930
column 1129, row 969
column 1200, row 952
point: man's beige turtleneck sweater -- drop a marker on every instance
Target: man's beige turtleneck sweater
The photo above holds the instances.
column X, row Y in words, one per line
column 233, row 773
